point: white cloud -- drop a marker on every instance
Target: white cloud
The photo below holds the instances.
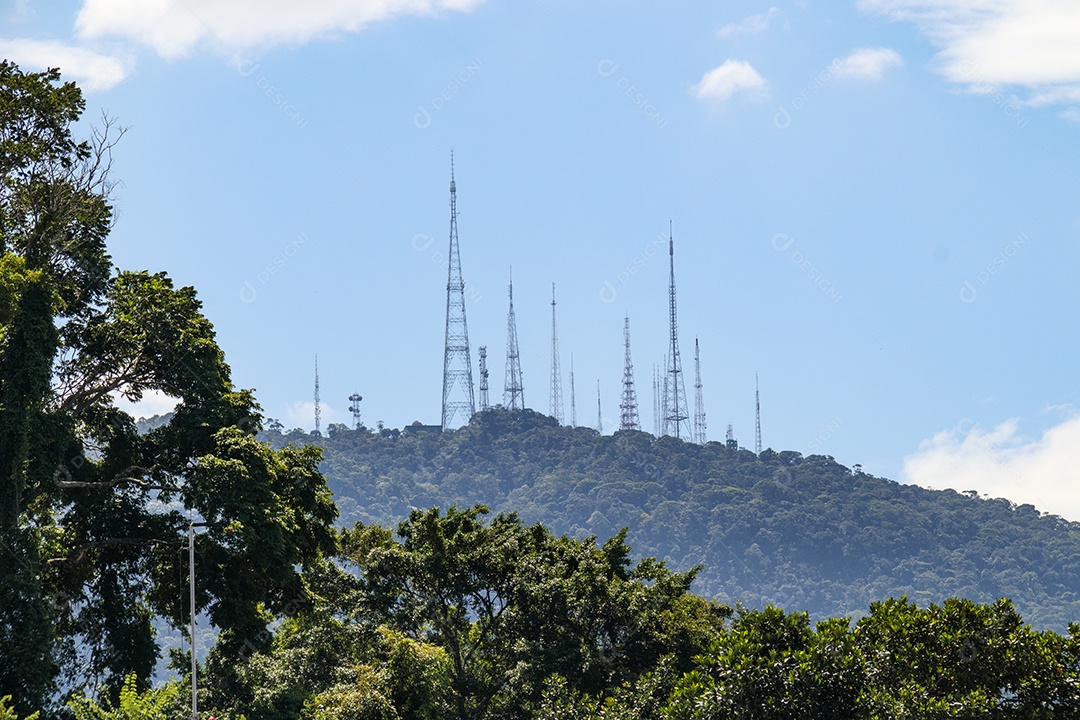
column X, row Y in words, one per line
column 1070, row 114
column 174, row 29
column 153, row 402
column 732, row 77
column 868, row 64
column 1030, row 44
column 1044, row 472
column 93, row 71
column 750, row 25
column 302, row 415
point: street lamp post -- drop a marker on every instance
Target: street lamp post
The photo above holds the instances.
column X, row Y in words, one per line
column 191, row 575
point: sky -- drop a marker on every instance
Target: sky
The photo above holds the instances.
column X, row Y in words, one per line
column 874, row 206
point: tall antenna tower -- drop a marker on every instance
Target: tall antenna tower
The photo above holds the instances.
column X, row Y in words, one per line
column 676, row 419
column 628, row 409
column 318, row 408
column 556, row 371
column 599, row 413
column 757, row 416
column 458, row 403
column 573, row 400
column 354, row 408
column 513, row 391
column 485, row 403
column 656, row 406
column 700, row 434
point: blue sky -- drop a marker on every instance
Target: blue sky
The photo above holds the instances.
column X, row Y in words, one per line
column 875, row 206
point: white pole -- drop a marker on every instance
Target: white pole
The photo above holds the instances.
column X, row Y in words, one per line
column 191, row 575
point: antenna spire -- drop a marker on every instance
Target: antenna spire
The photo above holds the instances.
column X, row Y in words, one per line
column 628, row 408
column 700, row 434
column 556, row 400
column 485, row 403
column 318, row 408
column 757, row 416
column 354, row 408
column 513, row 391
column 676, row 421
column 573, row 400
column 599, row 413
column 458, row 402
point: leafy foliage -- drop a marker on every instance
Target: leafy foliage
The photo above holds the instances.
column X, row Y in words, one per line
column 799, row 532
column 132, row 704
column 93, row 515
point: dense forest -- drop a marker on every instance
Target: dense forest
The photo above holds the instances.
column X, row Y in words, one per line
column 803, row 533
column 411, row 600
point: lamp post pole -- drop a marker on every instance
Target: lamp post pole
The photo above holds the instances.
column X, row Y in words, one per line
column 191, row 576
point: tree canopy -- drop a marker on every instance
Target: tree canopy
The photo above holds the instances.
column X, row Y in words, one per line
column 93, row 515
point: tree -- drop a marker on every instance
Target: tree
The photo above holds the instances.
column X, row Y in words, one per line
column 513, row 605
column 93, row 515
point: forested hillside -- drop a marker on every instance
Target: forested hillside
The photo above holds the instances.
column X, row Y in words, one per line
column 801, row 532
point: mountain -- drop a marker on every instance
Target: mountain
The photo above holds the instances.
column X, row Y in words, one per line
column 800, row 532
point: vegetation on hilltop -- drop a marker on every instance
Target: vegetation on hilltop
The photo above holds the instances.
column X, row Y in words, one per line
column 800, row 532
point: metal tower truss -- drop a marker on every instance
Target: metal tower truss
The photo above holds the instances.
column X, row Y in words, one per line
column 757, row 416
column 513, row 389
column 675, row 416
column 573, row 399
column 700, row 433
column 485, row 403
column 556, row 400
column 458, row 402
column 628, row 407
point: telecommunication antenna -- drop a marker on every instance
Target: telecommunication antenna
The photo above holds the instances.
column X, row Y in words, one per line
column 757, row 416
column 556, row 401
column 354, row 408
column 318, row 408
column 628, row 408
column 700, row 434
column 485, row 403
column 513, row 391
column 676, row 418
column 458, row 403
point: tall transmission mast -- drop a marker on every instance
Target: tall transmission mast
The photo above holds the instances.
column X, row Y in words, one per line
column 354, row 408
column 318, row 407
column 700, row 434
column 458, row 403
column 757, row 416
column 656, row 407
column 513, row 391
column 485, row 403
column 676, row 418
column 573, row 400
column 599, row 412
column 556, row 402
column 628, row 408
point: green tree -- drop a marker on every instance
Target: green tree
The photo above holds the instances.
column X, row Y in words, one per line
column 93, row 515
column 771, row 665
column 513, row 605
column 131, row 705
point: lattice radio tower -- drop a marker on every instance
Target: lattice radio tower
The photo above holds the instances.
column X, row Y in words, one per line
column 485, row 402
column 318, row 407
column 628, row 408
column 458, row 403
column 573, row 400
column 700, row 433
column 556, row 401
column 513, row 390
column 657, row 411
column 676, row 420
column 354, row 408
column 599, row 412
column 757, row 416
